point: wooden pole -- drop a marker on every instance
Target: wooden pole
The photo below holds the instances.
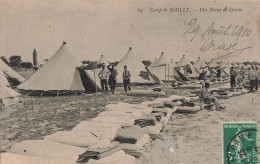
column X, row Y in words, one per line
column 95, row 80
column 168, row 73
column 165, row 73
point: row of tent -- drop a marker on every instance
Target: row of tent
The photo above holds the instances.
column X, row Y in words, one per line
column 8, row 77
column 63, row 73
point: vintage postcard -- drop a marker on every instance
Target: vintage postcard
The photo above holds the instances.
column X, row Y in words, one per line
column 129, row 82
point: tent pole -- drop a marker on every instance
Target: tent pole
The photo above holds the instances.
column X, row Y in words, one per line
column 95, row 80
column 165, row 74
column 168, row 73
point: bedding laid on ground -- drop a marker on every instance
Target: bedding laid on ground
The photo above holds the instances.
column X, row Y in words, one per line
column 145, row 120
column 91, row 153
column 129, row 134
column 48, row 149
column 72, row 138
column 187, row 109
column 10, row 158
column 117, row 158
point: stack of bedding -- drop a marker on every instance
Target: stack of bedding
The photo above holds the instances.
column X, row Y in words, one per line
column 132, row 140
column 98, row 153
column 117, row 158
column 145, row 120
column 49, row 150
column 101, row 130
column 11, row 158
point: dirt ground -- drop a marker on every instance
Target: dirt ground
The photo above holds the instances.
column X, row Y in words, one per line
column 197, row 138
column 36, row 117
column 192, row 138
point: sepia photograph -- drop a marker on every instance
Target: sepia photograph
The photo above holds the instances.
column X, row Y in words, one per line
column 129, row 82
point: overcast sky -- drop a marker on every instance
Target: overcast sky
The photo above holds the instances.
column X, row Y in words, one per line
column 93, row 28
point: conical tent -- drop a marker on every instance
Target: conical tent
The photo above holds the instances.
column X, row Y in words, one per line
column 136, row 68
column 162, row 69
column 183, row 62
column 152, row 63
column 162, row 61
column 222, row 64
column 93, row 73
column 213, row 64
column 101, row 60
column 7, row 96
column 9, row 73
column 235, row 65
column 58, row 74
column 228, row 64
column 3, row 79
column 199, row 64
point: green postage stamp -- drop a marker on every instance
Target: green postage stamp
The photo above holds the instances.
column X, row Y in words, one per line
column 239, row 143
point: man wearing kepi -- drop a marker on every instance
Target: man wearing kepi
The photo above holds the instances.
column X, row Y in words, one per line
column 126, row 79
column 103, row 74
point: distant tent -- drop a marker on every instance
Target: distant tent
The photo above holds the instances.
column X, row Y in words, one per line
column 228, row 64
column 213, row 64
column 152, row 63
column 8, row 75
column 222, row 64
column 183, row 62
column 199, row 64
column 3, row 79
column 163, row 69
column 235, row 65
column 93, row 72
column 223, row 68
column 59, row 75
column 240, row 65
column 162, row 61
column 136, row 68
column 7, row 96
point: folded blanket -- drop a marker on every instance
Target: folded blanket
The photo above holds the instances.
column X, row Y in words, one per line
column 165, row 111
column 156, row 105
column 190, row 104
column 100, row 130
column 129, row 135
column 152, row 130
column 138, row 145
column 169, row 104
column 187, row 109
column 10, row 158
column 135, row 153
column 114, row 119
column 158, row 115
column 145, row 121
column 47, row 149
column 73, row 138
column 157, row 89
column 116, row 158
column 98, row 153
